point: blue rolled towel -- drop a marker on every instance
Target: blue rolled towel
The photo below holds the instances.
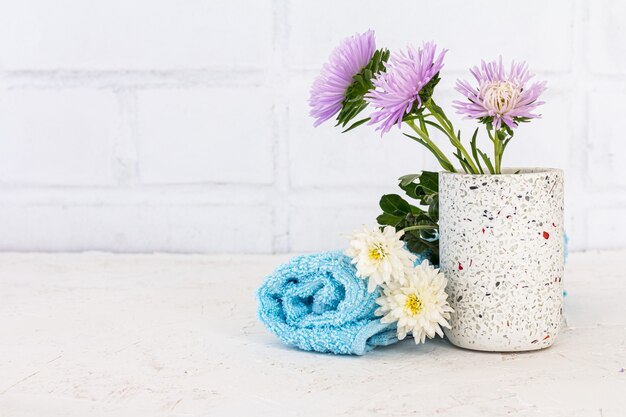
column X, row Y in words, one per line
column 316, row 302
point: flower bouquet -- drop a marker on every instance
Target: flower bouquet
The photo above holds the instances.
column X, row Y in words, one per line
column 495, row 233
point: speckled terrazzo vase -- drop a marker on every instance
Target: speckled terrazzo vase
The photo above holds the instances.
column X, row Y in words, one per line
column 502, row 250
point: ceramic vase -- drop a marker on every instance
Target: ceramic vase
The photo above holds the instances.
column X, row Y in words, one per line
column 502, row 250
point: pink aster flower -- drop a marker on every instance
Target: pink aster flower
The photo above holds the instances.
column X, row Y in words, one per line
column 398, row 89
column 347, row 60
column 505, row 97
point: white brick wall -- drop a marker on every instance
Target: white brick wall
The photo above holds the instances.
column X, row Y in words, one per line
column 57, row 137
column 191, row 136
column 183, row 126
column 135, row 35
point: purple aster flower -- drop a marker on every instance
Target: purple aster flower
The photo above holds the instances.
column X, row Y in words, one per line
column 500, row 97
column 347, row 60
column 398, row 89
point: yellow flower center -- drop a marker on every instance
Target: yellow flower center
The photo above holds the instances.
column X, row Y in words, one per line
column 413, row 304
column 377, row 252
column 501, row 96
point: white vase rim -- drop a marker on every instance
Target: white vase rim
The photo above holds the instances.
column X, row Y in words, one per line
column 509, row 172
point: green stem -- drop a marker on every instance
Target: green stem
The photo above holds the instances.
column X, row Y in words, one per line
column 422, row 134
column 419, row 227
column 500, row 141
column 497, row 154
column 449, row 130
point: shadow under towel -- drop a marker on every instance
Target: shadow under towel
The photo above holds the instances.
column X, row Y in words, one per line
column 316, row 302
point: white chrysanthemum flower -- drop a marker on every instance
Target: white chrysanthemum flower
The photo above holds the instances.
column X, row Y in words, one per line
column 379, row 255
column 420, row 306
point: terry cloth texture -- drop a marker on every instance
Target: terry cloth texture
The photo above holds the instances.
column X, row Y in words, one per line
column 317, row 303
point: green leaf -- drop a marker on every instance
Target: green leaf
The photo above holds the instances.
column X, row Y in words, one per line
column 356, row 124
column 487, row 161
column 436, row 125
column 395, row 205
column 409, row 186
column 427, row 91
column 420, row 223
column 408, row 179
column 426, row 186
column 444, row 164
column 412, row 190
column 506, row 142
column 464, row 164
column 354, row 100
column 387, row 219
column 409, row 117
column 429, row 181
column 474, row 151
column 433, row 210
column 416, row 211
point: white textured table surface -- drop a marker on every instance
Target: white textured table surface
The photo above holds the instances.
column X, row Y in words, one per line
column 164, row 335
